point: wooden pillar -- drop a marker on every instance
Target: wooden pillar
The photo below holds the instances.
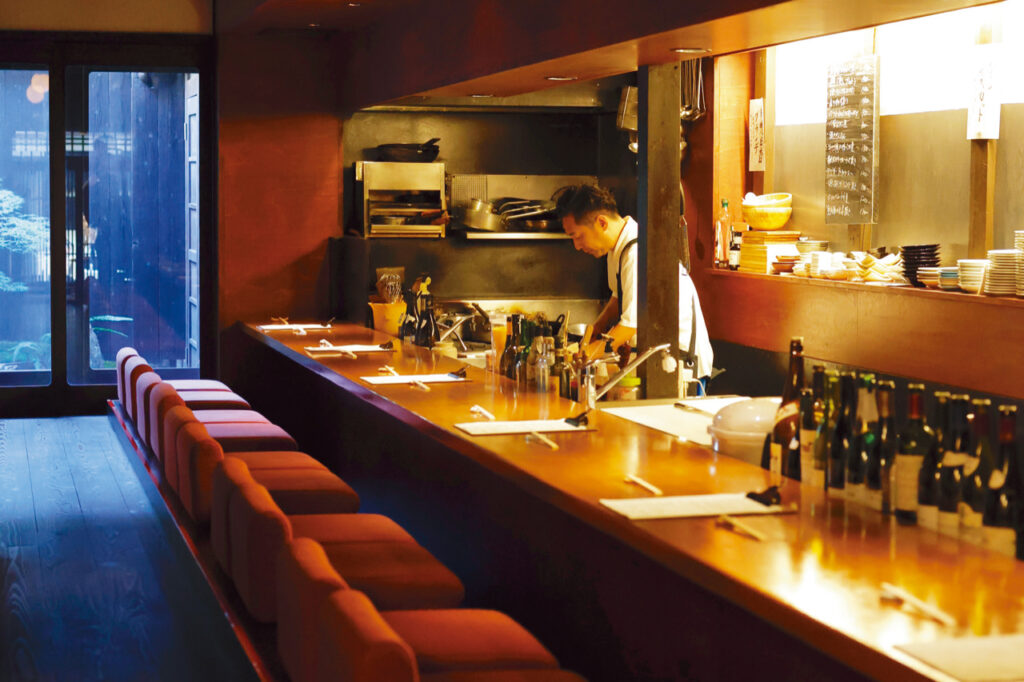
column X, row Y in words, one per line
column 661, row 241
column 983, row 196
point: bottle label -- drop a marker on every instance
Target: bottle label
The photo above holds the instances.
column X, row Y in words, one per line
column 997, row 479
column 971, row 465
column 970, row 525
column 907, row 469
column 806, row 454
column 817, row 479
column 928, row 517
column 788, row 411
column 873, row 498
column 953, row 459
column 1002, row 540
column 949, row 523
column 775, row 462
column 855, row 492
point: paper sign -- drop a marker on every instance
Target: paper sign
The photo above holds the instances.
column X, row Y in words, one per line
column 755, row 135
column 985, row 99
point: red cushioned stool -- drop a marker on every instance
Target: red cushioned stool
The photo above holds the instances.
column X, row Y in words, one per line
column 361, row 644
column 198, row 385
column 122, row 357
column 304, row 490
column 134, row 367
column 163, row 398
column 392, row 566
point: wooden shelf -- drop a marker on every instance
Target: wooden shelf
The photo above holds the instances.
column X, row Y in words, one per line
column 952, row 338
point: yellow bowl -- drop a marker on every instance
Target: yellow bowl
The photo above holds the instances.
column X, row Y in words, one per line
column 776, row 199
column 766, row 217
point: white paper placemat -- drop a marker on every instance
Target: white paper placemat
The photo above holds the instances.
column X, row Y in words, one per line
column 349, row 348
column 669, row 419
column 973, row 659
column 680, row 506
column 410, row 378
column 712, row 405
column 501, row 428
column 295, row 327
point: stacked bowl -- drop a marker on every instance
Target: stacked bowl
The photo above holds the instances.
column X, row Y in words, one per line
column 1018, row 243
column 972, row 272
column 919, row 256
column 929, row 277
column 1001, row 278
column 949, row 278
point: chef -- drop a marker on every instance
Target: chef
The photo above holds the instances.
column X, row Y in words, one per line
column 591, row 217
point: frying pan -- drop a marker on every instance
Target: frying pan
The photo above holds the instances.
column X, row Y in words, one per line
column 425, row 152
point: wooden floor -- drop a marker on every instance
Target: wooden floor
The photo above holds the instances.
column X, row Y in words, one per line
column 96, row 583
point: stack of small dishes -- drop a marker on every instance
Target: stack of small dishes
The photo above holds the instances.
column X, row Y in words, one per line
column 972, row 271
column 807, row 246
column 784, row 264
column 1001, row 279
column 949, row 278
column 1018, row 243
column 929, row 277
column 919, row 256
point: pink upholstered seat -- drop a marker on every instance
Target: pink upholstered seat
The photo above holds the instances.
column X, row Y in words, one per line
column 143, row 390
column 163, row 398
column 134, row 367
column 198, row 385
column 242, row 436
column 358, row 643
column 305, row 489
column 388, row 556
column 122, row 356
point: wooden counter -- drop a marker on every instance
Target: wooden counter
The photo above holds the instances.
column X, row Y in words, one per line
column 814, row 582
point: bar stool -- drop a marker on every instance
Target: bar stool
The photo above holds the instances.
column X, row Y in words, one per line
column 134, row 367
column 357, row 642
column 189, row 467
column 198, row 385
column 164, row 397
column 372, row 552
column 122, row 356
column 305, row 490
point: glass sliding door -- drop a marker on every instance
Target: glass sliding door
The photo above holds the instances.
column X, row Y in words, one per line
column 131, row 220
column 25, row 345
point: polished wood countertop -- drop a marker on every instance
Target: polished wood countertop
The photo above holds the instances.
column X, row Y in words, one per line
column 817, row 576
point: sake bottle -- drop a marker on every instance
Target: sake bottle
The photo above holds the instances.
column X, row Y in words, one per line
column 955, row 445
column 880, row 459
column 1004, row 491
column 931, row 467
column 915, row 441
column 977, row 469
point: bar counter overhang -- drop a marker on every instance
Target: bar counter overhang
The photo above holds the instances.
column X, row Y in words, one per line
column 618, row 599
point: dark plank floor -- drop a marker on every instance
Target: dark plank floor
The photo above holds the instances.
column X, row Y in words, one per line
column 95, row 581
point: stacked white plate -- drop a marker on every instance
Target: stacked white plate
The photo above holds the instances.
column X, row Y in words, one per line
column 1018, row 243
column 1001, row 279
column 949, row 278
column 929, row 277
column 806, row 246
column 971, row 272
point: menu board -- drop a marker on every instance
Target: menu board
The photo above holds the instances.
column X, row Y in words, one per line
column 851, row 142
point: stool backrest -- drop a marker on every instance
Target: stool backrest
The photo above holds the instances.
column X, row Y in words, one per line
column 162, row 398
column 259, row 531
column 134, row 367
column 196, row 455
column 122, row 356
column 231, row 474
column 143, row 389
column 357, row 645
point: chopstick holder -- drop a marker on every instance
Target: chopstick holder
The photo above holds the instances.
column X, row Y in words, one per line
column 649, row 487
column 734, row 524
column 543, row 439
column 476, row 409
column 890, row 591
column 420, row 385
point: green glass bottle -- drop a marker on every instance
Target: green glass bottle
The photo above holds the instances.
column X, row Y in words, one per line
column 955, row 444
column 931, row 467
column 785, row 432
column 880, row 458
column 915, row 441
column 826, row 425
column 843, row 436
column 804, row 465
column 866, row 442
column 1003, row 494
column 977, row 470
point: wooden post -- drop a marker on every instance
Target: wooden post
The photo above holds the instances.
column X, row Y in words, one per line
column 661, row 242
column 983, row 192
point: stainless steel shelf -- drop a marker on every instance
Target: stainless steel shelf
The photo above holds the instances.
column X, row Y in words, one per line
column 516, row 235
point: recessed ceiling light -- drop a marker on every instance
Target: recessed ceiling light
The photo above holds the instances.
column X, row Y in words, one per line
column 314, row 25
column 561, row 78
column 355, row 4
column 691, row 50
column 480, row 96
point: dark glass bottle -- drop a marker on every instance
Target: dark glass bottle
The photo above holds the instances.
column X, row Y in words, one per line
column 808, row 436
column 955, row 443
column 977, row 469
column 915, row 441
column 866, row 441
column 931, row 467
column 878, row 492
column 786, row 428
column 818, row 381
column 827, row 424
column 507, row 355
column 1003, row 495
column 843, row 436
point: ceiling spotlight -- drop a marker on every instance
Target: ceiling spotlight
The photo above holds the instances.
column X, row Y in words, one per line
column 480, row 96
column 314, row 25
column 561, row 78
column 691, row 50
column 355, row 4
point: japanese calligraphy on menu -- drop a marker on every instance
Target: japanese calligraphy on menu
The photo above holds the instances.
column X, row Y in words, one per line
column 851, row 142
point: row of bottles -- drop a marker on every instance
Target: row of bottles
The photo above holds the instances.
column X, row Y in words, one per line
column 538, row 361
column 840, row 434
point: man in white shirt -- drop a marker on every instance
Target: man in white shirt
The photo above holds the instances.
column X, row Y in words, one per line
column 591, row 217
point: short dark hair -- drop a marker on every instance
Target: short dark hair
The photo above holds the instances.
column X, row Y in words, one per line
column 581, row 201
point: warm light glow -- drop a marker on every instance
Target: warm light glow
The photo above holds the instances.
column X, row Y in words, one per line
column 481, row 96
column 33, row 95
column 691, row 50
column 561, row 78
column 41, row 82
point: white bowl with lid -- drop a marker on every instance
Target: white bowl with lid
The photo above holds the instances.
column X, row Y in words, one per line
column 738, row 430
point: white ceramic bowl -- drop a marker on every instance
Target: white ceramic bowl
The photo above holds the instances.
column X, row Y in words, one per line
column 738, row 430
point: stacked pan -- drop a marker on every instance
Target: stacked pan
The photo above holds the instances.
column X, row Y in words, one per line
column 918, row 256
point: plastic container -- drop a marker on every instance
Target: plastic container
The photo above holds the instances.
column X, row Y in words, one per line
column 738, row 430
column 388, row 316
